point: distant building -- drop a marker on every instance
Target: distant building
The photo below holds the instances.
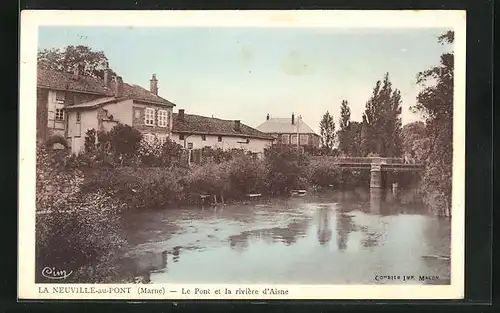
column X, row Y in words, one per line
column 197, row 132
column 70, row 104
column 289, row 130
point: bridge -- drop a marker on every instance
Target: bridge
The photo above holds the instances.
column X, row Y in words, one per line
column 377, row 165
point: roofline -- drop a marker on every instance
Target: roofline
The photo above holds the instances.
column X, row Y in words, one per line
column 187, row 132
column 72, row 90
column 170, row 104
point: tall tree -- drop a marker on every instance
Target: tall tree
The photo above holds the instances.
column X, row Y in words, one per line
column 93, row 62
column 344, row 131
column 327, row 131
column 381, row 120
column 435, row 101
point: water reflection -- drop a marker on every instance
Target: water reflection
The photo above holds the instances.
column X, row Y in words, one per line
column 286, row 235
column 324, row 230
column 345, row 226
column 278, row 241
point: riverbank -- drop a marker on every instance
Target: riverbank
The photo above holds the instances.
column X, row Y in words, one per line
column 86, row 200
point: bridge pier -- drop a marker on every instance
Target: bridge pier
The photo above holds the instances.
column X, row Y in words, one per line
column 376, row 176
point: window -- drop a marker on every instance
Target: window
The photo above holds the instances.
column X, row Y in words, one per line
column 149, row 116
column 162, row 139
column 60, row 96
column 78, row 118
column 149, row 138
column 285, row 139
column 59, row 115
column 304, row 139
column 162, row 118
column 203, row 137
column 293, row 139
column 219, row 139
column 181, row 137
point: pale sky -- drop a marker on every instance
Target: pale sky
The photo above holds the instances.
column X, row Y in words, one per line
column 246, row 73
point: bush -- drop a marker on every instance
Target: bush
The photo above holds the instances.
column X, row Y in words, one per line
column 75, row 230
column 209, row 178
column 140, row 188
column 82, row 237
column 324, row 172
column 246, row 175
column 286, row 169
column 157, row 154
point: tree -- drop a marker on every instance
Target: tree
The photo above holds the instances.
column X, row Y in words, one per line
column 125, row 141
column 285, row 169
column 327, row 131
column 355, row 137
column 382, row 121
column 93, row 62
column 344, row 134
column 435, row 101
column 413, row 136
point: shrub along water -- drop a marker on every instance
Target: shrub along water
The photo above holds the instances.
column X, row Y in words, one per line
column 75, row 231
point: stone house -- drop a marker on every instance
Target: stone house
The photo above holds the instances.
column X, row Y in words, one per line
column 69, row 104
column 289, row 131
column 197, row 132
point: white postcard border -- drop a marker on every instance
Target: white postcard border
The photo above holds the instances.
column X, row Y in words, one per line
column 31, row 20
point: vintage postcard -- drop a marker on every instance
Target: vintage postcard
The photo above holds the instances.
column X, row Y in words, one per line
column 242, row 155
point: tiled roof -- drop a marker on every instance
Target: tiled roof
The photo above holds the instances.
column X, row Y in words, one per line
column 57, row 80
column 198, row 124
column 92, row 104
column 138, row 93
column 64, row 81
column 284, row 126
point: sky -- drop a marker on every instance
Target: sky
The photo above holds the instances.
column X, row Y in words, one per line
column 247, row 73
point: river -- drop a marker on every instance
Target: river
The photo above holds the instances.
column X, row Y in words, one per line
column 334, row 237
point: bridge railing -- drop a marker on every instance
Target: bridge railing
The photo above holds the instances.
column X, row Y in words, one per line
column 368, row 160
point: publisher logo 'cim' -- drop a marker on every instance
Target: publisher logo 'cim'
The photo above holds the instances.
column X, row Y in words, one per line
column 53, row 273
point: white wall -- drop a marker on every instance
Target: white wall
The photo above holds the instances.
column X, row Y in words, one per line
column 76, row 133
column 228, row 142
column 52, row 105
column 121, row 111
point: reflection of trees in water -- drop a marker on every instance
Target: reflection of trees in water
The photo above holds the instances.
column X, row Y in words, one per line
column 324, row 230
column 288, row 235
column 345, row 225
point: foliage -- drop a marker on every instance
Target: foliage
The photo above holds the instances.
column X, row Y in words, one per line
column 246, row 176
column 209, row 178
column 90, row 140
column 94, row 62
column 382, row 121
column 435, row 101
column 139, row 188
column 154, row 153
column 56, row 139
column 327, row 132
column 74, row 230
column 285, row 169
column 415, row 140
column 344, row 135
column 323, row 172
column 219, row 155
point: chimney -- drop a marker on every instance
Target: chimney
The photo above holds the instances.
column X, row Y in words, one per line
column 154, row 85
column 77, row 68
column 267, row 118
column 118, row 87
column 181, row 114
column 293, row 119
column 237, row 125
